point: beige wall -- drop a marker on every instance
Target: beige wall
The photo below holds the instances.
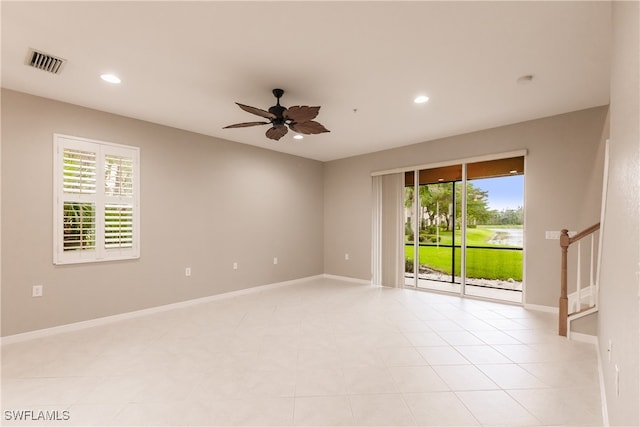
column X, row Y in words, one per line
column 563, row 170
column 205, row 204
column 618, row 319
column 592, row 203
column 244, row 204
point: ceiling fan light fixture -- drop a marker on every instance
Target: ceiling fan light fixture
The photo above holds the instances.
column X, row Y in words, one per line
column 421, row 99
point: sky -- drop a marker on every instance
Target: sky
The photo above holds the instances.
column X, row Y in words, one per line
column 504, row 192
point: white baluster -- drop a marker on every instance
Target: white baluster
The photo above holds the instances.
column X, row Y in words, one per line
column 578, row 287
column 592, row 285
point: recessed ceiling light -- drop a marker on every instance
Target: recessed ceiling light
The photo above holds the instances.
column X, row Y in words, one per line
column 298, row 136
column 110, row 78
column 513, row 171
column 421, row 99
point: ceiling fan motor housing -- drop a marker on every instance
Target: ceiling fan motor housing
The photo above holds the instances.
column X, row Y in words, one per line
column 277, row 109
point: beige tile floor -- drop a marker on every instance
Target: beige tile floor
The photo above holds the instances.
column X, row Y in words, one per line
column 324, row 352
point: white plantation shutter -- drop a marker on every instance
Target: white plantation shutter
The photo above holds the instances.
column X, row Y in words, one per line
column 119, row 200
column 96, row 206
column 79, row 226
column 118, row 226
column 118, row 176
column 79, row 197
column 79, row 171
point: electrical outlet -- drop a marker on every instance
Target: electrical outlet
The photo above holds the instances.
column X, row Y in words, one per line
column 275, row 260
column 235, row 265
column 36, row 291
column 187, row 271
column 346, row 257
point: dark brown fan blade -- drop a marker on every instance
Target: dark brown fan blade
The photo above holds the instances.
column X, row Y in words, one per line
column 308, row 128
column 256, row 111
column 277, row 132
column 244, row 125
column 301, row 113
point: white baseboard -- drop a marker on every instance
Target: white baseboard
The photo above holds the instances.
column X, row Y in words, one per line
column 40, row 333
column 603, row 394
column 580, row 337
column 545, row 308
column 347, row 279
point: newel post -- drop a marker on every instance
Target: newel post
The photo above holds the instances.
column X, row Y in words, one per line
column 564, row 302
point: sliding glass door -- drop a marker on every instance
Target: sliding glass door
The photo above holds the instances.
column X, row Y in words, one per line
column 432, row 230
column 464, row 228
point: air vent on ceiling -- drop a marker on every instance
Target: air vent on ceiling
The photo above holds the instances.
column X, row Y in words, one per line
column 44, row 61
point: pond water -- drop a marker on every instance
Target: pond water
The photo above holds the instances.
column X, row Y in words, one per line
column 507, row 236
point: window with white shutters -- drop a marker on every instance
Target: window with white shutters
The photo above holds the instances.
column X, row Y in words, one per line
column 96, row 206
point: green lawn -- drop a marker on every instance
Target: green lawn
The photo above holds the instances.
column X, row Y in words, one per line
column 478, row 236
column 481, row 263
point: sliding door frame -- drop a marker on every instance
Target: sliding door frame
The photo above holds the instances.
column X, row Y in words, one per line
column 475, row 159
column 416, row 213
column 416, row 210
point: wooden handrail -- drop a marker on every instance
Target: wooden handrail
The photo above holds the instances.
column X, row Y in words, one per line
column 563, row 304
column 583, row 233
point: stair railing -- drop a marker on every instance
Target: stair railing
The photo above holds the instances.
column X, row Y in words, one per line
column 565, row 242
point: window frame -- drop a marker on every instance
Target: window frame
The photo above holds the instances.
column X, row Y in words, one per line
column 100, row 199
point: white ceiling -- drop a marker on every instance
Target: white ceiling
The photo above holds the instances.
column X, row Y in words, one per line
column 184, row 64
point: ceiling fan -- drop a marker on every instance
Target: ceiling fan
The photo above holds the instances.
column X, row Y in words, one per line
column 299, row 118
